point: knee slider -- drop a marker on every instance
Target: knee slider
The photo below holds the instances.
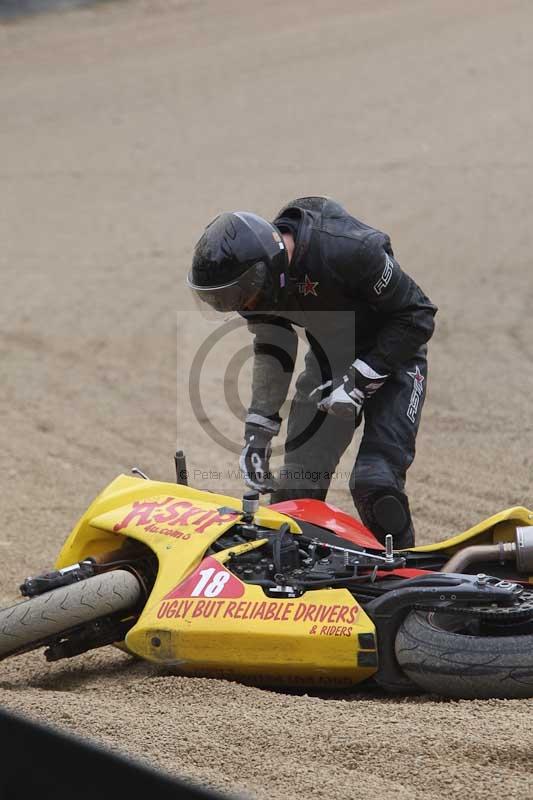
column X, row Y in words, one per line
column 383, row 510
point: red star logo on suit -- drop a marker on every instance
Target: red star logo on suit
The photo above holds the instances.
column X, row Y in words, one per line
column 308, row 286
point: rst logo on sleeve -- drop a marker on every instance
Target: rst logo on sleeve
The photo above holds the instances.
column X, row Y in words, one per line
column 416, row 394
column 385, row 276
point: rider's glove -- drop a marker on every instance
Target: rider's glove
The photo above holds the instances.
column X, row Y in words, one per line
column 345, row 396
column 255, row 458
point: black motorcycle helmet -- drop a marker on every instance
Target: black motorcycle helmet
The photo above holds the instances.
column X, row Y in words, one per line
column 239, row 257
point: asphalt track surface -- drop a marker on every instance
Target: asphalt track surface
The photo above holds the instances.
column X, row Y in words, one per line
column 124, row 129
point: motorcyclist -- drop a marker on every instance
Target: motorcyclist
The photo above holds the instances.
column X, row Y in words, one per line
column 367, row 323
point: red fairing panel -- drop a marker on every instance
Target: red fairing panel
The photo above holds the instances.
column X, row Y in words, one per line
column 327, row 516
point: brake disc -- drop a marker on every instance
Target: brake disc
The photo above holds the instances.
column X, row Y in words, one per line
column 520, row 611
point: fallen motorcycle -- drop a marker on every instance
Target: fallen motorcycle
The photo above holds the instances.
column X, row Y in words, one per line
column 294, row 594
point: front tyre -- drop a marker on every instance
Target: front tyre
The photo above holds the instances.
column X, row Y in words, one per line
column 28, row 625
column 442, row 655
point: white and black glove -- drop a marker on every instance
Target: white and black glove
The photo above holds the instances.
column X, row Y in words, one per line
column 345, row 396
column 255, row 460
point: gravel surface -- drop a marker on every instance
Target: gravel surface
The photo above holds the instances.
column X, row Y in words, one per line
column 124, row 129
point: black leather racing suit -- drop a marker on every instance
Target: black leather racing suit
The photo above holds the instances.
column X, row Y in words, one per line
column 350, row 296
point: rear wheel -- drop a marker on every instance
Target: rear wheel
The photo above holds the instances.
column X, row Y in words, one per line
column 30, row 624
column 451, row 655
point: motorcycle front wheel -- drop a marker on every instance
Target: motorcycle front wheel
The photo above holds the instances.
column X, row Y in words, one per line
column 32, row 623
column 442, row 654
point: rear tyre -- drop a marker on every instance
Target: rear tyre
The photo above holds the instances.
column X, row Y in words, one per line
column 28, row 625
column 436, row 651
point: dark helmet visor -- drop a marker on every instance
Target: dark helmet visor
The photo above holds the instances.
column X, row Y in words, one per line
column 236, row 295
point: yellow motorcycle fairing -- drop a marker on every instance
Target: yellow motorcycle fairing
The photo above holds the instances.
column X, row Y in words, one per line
column 200, row 618
column 498, row 528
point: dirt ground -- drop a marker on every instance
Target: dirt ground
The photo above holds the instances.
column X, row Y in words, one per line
column 123, row 130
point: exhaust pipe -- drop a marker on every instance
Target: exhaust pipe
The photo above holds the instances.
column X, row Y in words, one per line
column 520, row 551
